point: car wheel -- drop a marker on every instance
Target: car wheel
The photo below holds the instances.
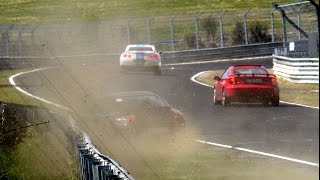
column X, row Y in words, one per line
column 275, row 102
column 225, row 100
column 214, row 98
column 157, row 70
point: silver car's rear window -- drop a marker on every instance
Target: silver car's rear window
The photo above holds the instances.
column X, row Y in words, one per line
column 140, row 49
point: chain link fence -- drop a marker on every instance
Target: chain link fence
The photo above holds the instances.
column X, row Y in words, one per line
column 168, row 33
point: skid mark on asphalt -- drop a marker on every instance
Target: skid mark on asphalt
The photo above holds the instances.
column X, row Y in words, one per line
column 193, row 78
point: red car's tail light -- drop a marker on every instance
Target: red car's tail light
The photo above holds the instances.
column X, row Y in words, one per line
column 274, row 81
column 233, row 80
column 153, row 56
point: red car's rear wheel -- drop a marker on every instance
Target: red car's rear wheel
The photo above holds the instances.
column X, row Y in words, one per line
column 225, row 100
column 214, row 98
column 275, row 102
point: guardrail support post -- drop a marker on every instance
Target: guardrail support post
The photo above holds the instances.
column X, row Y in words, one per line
column 221, row 29
column 172, row 32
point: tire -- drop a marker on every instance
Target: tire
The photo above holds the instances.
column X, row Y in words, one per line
column 157, row 70
column 214, row 98
column 275, row 102
column 225, row 100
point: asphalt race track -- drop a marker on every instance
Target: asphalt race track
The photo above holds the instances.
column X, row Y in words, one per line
column 287, row 130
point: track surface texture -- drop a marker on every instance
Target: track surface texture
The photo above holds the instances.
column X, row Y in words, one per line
column 287, row 130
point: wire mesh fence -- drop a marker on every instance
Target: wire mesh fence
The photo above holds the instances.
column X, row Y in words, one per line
column 168, row 33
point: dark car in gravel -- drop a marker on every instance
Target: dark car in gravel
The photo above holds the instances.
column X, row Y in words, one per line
column 143, row 112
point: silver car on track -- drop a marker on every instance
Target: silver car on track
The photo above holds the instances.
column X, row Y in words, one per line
column 141, row 56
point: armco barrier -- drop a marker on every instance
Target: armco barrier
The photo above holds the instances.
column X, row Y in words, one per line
column 298, row 70
column 95, row 166
column 220, row 53
column 167, row 57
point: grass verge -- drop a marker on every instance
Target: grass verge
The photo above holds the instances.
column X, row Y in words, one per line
column 306, row 94
column 9, row 94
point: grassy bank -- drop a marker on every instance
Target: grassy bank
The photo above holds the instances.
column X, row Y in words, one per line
column 307, row 94
column 32, row 145
column 26, row 11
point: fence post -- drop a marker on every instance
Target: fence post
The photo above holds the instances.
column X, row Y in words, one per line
column 284, row 31
column 20, row 43
column 221, row 28
column 298, row 20
column 211, row 21
column 7, row 43
column 245, row 26
column 196, row 21
column 128, row 30
column 33, row 41
column 272, row 24
column 148, row 28
column 172, row 32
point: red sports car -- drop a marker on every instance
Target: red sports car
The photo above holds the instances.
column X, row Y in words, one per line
column 246, row 83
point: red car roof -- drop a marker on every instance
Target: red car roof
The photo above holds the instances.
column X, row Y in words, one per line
column 248, row 65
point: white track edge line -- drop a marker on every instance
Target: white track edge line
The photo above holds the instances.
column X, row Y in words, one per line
column 260, row 153
column 193, row 78
column 12, row 82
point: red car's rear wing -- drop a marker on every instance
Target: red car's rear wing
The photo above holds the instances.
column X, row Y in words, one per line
column 255, row 75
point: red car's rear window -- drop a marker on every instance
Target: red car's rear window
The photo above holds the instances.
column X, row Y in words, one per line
column 250, row 71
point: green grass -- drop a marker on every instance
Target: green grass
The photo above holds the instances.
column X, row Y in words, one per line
column 39, row 156
column 43, row 11
column 307, row 94
column 43, row 152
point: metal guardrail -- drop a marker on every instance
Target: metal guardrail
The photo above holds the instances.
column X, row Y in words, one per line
column 95, row 166
column 298, row 70
column 220, row 53
column 167, row 57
